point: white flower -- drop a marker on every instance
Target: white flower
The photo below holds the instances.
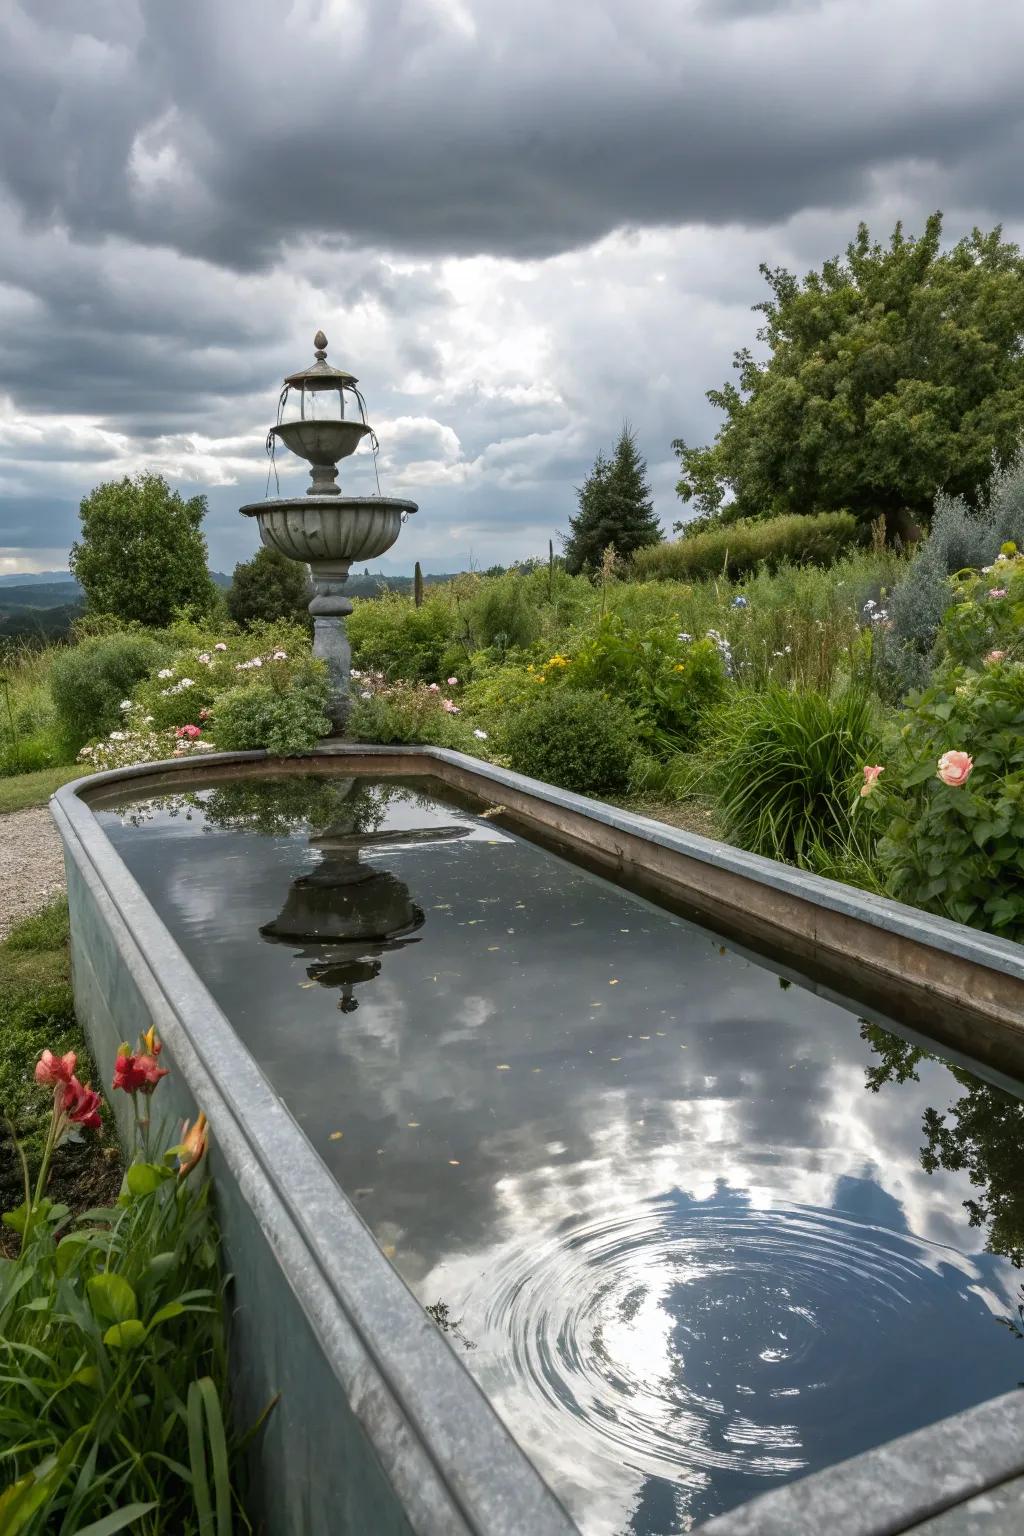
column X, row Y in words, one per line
column 1001, row 557
column 117, row 735
column 125, row 704
column 684, row 639
column 86, row 752
column 355, row 674
column 280, row 656
column 206, row 658
column 147, row 719
column 788, row 649
column 480, row 735
column 165, row 672
column 869, row 605
column 366, row 694
column 220, row 646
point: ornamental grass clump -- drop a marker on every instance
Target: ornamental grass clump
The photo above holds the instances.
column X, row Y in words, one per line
column 781, row 763
column 112, row 1341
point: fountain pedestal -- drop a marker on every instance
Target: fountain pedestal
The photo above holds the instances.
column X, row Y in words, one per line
column 324, row 529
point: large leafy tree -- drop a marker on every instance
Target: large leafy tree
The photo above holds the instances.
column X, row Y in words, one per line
column 268, row 586
column 142, row 554
column 615, row 508
column 890, row 376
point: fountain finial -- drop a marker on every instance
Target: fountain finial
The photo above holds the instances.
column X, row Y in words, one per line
column 320, row 343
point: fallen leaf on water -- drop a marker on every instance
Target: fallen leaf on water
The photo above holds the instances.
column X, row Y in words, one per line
column 536, row 1069
column 660, row 1034
column 453, row 1162
column 504, row 1067
column 413, row 1125
column 614, row 981
column 494, row 810
column 337, row 1135
column 615, row 1058
column 305, row 984
column 492, row 947
column 645, row 1037
column 388, row 1250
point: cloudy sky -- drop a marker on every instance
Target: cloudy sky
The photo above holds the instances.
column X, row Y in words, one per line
column 518, row 224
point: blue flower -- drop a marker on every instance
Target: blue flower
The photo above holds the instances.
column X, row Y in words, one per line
column 740, row 602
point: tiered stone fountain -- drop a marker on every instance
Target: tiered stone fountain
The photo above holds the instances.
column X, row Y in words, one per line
column 323, row 528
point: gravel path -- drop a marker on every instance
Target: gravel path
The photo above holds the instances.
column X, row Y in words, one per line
column 31, row 865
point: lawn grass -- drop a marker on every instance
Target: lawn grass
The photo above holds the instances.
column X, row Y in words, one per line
column 37, row 1012
column 22, row 791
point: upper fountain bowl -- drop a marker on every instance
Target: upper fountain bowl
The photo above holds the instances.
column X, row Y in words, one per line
column 321, row 442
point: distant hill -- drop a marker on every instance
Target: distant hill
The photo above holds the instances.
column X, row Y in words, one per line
column 34, row 578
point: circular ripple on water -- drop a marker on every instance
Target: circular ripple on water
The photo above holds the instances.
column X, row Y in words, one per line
column 686, row 1337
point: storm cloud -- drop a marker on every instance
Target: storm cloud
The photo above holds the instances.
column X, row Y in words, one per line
column 518, row 224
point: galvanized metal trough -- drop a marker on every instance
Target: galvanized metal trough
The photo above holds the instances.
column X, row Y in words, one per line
column 378, row 1427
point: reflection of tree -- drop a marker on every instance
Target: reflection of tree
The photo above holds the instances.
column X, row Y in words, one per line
column 278, row 805
column 981, row 1134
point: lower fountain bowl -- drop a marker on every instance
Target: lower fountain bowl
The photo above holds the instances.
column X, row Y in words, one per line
column 334, row 528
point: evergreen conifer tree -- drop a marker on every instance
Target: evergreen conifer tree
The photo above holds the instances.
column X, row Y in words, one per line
column 615, row 508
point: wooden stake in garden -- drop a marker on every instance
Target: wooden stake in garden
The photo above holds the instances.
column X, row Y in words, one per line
column 417, row 586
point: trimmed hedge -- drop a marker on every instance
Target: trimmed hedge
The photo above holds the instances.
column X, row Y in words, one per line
column 736, row 548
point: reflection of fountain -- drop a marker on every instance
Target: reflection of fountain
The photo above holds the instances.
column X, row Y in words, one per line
column 346, row 914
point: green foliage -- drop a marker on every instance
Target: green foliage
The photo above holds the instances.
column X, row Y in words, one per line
column 89, row 681
column 670, row 685
column 390, row 634
column 959, row 539
column 112, row 1350
column 574, row 737
column 287, row 721
column 958, row 850
column 142, row 554
column 401, row 713
column 979, row 622
column 36, row 1011
column 504, row 613
column 782, row 763
column 268, row 587
column 615, row 509
column 891, row 376
column 494, row 697
column 738, row 547
column 22, row 791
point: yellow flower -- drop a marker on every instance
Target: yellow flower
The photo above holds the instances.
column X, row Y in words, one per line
column 679, row 667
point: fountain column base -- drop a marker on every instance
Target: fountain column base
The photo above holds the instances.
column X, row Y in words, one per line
column 329, row 609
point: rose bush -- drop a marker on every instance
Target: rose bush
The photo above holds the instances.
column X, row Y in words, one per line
column 950, row 808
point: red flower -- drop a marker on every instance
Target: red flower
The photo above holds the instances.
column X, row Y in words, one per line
column 81, row 1104
column 55, row 1069
column 138, row 1073
column 188, row 732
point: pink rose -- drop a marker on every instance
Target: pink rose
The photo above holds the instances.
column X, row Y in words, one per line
column 453, row 682
column 55, row 1069
column 448, row 707
column 997, row 591
column 993, row 657
column 188, row 731
column 955, row 768
column 434, row 687
column 871, row 777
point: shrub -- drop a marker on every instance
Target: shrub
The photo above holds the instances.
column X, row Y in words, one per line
column 987, row 613
column 390, row 634
column 782, row 762
column 494, row 697
column 740, row 547
column 269, row 587
column 956, row 848
column 89, row 681
column 959, row 539
column 669, row 682
column 287, row 721
column 576, row 738
column 402, row 713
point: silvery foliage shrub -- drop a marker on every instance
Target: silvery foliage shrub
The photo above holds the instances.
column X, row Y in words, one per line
column 959, row 538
